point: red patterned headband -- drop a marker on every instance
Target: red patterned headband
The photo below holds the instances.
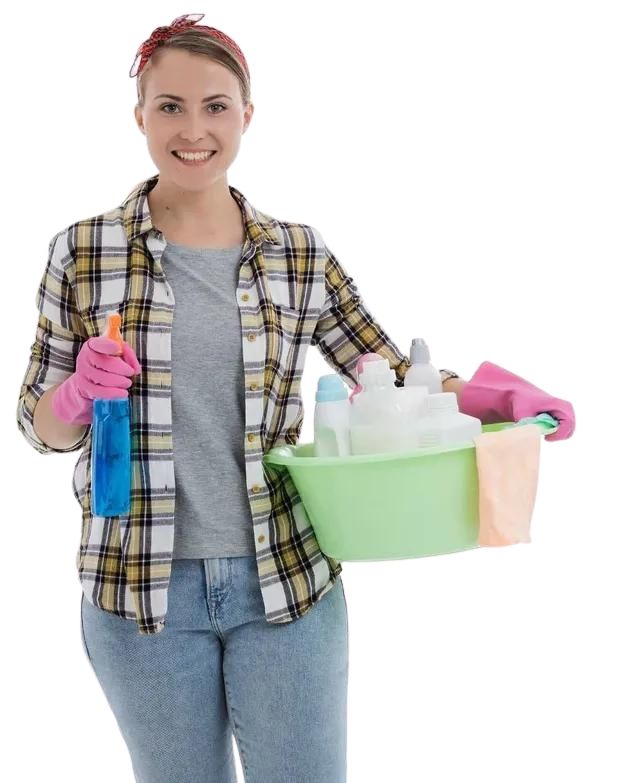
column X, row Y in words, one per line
column 145, row 50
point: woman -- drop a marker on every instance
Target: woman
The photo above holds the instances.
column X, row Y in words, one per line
column 216, row 563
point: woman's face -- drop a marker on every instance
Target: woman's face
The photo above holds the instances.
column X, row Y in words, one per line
column 176, row 116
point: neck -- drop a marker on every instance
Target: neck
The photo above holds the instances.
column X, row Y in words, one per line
column 169, row 203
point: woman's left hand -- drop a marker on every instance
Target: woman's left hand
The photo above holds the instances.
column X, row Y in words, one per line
column 496, row 395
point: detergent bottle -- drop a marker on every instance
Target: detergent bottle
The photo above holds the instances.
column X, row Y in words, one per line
column 381, row 421
column 331, row 418
column 440, row 423
column 111, row 446
column 422, row 372
column 421, row 378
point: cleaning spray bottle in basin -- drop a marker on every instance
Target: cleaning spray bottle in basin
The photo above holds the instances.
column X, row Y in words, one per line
column 111, row 446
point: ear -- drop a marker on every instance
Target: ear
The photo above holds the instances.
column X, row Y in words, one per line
column 137, row 113
column 248, row 114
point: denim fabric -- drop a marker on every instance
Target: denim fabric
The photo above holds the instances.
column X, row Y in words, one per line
column 219, row 669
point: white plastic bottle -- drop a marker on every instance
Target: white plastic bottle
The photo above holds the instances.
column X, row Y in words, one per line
column 381, row 421
column 441, row 424
column 422, row 377
column 422, row 372
column 331, row 418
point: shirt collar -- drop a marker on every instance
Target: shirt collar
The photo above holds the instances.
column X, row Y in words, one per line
column 259, row 227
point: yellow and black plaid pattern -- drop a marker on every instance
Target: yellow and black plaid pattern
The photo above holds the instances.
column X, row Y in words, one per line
column 292, row 293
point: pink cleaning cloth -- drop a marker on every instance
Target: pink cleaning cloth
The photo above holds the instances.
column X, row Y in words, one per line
column 508, row 462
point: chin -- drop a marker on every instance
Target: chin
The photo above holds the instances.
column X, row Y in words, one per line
column 191, row 180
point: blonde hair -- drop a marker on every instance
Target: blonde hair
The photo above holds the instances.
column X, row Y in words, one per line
column 202, row 43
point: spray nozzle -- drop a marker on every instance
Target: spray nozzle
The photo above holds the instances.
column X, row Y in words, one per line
column 114, row 321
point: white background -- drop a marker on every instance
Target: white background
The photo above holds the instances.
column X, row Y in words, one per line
column 475, row 167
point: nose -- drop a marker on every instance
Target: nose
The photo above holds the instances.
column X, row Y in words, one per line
column 192, row 130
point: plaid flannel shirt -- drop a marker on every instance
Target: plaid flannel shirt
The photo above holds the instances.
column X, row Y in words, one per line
column 292, row 293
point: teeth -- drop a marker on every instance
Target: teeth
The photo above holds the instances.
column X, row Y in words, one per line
column 194, row 155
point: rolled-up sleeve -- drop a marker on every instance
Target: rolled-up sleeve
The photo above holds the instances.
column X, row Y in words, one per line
column 346, row 328
column 60, row 333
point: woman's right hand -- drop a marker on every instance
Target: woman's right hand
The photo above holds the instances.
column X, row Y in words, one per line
column 100, row 374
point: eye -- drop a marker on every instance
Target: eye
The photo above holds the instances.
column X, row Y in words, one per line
column 164, row 106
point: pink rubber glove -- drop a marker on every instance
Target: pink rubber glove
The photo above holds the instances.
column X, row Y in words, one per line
column 495, row 395
column 100, row 374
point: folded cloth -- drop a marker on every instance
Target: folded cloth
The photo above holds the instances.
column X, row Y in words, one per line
column 507, row 461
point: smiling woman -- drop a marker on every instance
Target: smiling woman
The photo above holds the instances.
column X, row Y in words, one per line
column 209, row 609
column 193, row 132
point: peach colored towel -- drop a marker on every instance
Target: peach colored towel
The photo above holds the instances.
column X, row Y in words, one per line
column 508, row 461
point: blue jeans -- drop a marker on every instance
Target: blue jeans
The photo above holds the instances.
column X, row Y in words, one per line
column 218, row 669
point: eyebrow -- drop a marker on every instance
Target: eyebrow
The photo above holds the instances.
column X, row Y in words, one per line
column 177, row 98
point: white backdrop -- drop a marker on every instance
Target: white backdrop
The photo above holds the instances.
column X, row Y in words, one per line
column 475, row 168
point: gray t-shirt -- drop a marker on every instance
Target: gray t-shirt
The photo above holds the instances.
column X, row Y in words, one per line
column 212, row 515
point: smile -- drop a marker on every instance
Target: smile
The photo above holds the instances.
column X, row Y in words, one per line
column 194, row 158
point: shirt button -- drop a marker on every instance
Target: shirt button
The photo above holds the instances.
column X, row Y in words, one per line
column 245, row 297
column 260, row 539
column 254, row 387
column 251, row 437
column 256, row 488
column 251, row 337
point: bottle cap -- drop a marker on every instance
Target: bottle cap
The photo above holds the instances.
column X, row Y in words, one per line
column 419, row 351
column 330, row 388
column 441, row 401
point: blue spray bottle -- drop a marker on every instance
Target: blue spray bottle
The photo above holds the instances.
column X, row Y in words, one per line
column 111, row 446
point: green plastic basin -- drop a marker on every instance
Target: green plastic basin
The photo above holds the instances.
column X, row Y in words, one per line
column 389, row 506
